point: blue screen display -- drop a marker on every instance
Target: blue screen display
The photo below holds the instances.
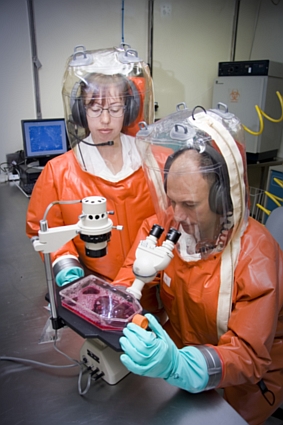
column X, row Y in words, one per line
column 44, row 138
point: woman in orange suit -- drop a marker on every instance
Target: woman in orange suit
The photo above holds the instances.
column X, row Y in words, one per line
column 103, row 161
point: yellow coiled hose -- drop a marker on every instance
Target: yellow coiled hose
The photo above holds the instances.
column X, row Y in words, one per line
column 262, row 114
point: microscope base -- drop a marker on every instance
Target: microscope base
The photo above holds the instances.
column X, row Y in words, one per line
column 95, row 354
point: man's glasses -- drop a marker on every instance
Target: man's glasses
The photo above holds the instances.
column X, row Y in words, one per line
column 116, row 111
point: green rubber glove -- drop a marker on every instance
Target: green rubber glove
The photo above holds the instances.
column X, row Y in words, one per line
column 68, row 275
column 153, row 353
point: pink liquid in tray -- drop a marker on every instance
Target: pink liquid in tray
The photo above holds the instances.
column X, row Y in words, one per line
column 100, row 303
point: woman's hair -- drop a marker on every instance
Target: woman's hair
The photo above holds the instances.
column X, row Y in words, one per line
column 99, row 86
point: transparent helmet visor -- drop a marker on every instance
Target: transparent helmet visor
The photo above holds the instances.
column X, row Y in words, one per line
column 110, row 81
column 196, row 188
column 191, row 191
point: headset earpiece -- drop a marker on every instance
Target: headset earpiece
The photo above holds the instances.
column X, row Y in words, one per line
column 216, row 195
column 132, row 104
column 77, row 107
column 219, row 194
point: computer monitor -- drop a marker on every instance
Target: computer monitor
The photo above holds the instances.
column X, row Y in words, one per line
column 44, row 139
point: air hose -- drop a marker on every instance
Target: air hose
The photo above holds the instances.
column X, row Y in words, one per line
column 262, row 114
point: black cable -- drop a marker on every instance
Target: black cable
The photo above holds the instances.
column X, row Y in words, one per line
column 6, row 169
column 198, row 106
column 122, row 37
column 264, row 391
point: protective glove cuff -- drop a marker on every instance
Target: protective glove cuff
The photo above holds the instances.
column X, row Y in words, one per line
column 190, row 372
column 68, row 275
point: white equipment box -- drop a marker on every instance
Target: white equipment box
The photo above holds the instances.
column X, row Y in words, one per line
column 243, row 85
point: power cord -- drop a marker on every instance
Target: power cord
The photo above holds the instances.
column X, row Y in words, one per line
column 4, row 167
column 11, row 170
column 93, row 375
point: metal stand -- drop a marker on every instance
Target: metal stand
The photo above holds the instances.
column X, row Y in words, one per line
column 56, row 321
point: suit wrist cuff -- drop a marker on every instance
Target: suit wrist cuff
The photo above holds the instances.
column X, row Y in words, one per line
column 68, row 261
column 214, row 366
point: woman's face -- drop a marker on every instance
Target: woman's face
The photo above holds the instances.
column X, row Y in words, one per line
column 105, row 127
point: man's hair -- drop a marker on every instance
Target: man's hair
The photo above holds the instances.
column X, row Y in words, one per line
column 214, row 170
column 203, row 160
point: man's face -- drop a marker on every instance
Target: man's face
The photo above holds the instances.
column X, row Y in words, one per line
column 188, row 193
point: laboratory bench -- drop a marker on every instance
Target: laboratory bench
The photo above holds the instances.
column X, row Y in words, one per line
column 34, row 394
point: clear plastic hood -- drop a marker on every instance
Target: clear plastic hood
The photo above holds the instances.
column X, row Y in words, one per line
column 201, row 189
column 87, row 70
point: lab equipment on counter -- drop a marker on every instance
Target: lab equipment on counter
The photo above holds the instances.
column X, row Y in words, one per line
column 108, row 308
column 102, row 361
column 94, row 228
column 111, row 309
column 93, row 300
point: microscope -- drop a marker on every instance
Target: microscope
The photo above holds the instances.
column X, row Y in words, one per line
column 99, row 354
column 94, row 228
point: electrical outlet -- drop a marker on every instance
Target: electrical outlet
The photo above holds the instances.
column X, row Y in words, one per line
column 166, row 9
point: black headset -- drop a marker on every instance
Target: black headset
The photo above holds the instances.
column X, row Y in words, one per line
column 220, row 189
column 132, row 104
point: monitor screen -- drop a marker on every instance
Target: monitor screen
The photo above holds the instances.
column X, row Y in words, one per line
column 44, row 139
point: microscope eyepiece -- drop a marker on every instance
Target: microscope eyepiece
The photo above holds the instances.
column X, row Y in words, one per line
column 173, row 235
column 156, row 231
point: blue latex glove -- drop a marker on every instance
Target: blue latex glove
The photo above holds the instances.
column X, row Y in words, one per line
column 154, row 354
column 68, row 274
